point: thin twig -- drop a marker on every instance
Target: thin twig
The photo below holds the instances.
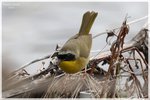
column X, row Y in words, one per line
column 34, row 61
column 134, row 48
column 129, row 23
column 141, row 67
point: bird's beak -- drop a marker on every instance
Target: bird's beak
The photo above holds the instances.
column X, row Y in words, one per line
column 54, row 59
column 57, row 61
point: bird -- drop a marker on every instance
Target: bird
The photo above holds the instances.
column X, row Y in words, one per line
column 74, row 54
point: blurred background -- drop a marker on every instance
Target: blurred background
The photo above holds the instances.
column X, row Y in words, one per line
column 32, row 30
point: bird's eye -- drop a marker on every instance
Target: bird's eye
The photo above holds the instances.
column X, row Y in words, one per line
column 66, row 57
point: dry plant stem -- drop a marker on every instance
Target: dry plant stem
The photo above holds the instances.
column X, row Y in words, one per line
column 127, row 71
column 141, row 67
column 34, row 61
column 116, row 48
column 95, row 62
column 135, row 78
column 129, row 23
column 134, row 48
column 128, row 75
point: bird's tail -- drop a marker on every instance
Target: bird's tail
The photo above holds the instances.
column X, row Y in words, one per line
column 87, row 22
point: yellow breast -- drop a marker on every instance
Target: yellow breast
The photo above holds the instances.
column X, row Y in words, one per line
column 73, row 66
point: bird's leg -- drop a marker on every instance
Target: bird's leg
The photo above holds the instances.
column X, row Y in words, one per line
column 85, row 72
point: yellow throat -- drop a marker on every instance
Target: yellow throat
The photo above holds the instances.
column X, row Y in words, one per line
column 74, row 66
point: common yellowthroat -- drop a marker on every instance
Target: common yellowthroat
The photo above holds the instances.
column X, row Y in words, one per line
column 74, row 55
